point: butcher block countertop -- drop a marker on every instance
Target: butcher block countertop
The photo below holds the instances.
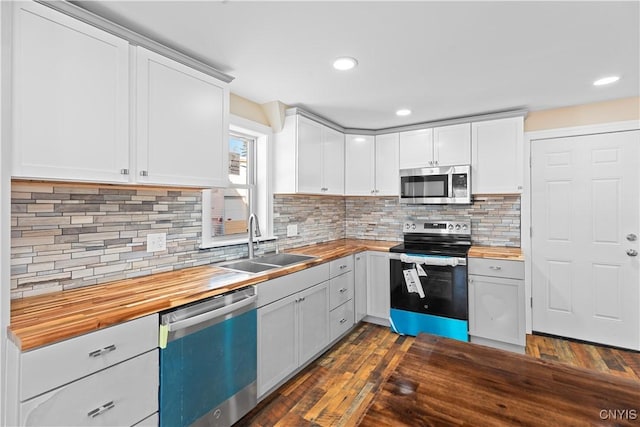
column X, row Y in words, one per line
column 440, row 382
column 496, row 252
column 45, row 319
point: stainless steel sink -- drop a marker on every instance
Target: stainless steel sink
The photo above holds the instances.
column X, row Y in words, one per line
column 264, row 263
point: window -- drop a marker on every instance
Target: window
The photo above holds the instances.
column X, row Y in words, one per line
column 225, row 211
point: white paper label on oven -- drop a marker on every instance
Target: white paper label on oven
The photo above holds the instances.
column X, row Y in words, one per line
column 420, row 270
column 412, row 281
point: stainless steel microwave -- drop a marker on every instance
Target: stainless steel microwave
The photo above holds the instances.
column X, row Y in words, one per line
column 440, row 185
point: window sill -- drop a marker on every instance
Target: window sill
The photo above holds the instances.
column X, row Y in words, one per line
column 234, row 242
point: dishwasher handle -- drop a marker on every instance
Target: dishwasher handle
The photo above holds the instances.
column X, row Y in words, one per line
column 204, row 317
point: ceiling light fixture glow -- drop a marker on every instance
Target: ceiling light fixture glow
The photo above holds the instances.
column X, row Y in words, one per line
column 403, row 112
column 344, row 63
column 359, row 139
column 606, row 80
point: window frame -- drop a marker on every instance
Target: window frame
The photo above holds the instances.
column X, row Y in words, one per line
column 262, row 194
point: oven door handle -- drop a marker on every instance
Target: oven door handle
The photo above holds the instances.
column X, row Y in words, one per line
column 399, row 256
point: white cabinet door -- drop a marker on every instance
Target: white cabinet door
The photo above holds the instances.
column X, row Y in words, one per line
column 332, row 162
column 118, row 396
column 452, row 145
column 387, row 176
column 378, row 285
column 496, row 309
column 416, row 149
column 277, row 342
column 496, row 166
column 71, row 98
column 182, row 124
column 313, row 312
column 309, row 169
column 360, row 286
column 359, row 165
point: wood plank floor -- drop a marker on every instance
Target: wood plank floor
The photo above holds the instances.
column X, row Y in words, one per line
column 336, row 389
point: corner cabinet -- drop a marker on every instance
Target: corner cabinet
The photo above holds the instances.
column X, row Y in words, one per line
column 371, row 165
column 76, row 118
column 497, row 303
column 70, row 98
column 182, row 124
column 308, row 158
column 497, row 162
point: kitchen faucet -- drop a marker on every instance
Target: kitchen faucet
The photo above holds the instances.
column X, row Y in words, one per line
column 254, row 231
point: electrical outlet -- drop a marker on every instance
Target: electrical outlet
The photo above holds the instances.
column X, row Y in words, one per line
column 156, row 242
column 292, row 230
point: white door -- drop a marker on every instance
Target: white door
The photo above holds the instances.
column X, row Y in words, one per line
column 585, row 212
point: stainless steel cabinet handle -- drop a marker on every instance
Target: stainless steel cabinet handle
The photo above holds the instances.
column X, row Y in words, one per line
column 102, row 351
column 343, row 290
column 343, row 320
column 144, row 173
column 632, row 237
column 495, row 267
column 343, row 266
column 124, row 171
column 101, row 410
column 632, row 252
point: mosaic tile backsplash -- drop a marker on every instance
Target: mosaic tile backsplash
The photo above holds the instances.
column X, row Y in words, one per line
column 65, row 236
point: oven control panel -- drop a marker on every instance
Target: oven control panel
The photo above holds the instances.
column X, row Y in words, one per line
column 437, row 227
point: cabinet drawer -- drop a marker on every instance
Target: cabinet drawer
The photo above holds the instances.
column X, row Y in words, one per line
column 52, row 366
column 122, row 395
column 283, row 286
column 340, row 289
column 341, row 319
column 340, row 266
column 496, row 267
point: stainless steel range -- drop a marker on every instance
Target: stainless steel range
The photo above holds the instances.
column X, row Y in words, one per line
column 429, row 279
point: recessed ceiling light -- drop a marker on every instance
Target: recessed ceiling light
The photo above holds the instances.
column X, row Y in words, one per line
column 606, row 80
column 344, row 63
column 403, row 112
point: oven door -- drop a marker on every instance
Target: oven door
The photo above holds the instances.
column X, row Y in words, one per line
column 439, row 290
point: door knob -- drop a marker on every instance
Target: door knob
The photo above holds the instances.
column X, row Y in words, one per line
column 632, row 252
column 632, row 237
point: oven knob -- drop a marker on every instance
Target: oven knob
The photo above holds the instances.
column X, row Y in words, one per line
column 407, row 226
column 413, row 226
column 457, row 226
column 450, row 227
column 464, row 227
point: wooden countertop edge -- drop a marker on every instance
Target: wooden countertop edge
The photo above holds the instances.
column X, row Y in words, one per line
column 28, row 330
column 496, row 252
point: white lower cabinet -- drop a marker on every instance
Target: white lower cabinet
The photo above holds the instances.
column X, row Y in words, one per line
column 378, row 288
column 105, row 378
column 290, row 332
column 122, row 395
column 497, row 303
column 360, row 286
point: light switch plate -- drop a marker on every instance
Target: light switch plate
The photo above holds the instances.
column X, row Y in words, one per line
column 292, row 230
column 156, row 242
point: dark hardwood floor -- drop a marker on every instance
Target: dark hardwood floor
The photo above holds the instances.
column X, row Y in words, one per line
column 336, row 389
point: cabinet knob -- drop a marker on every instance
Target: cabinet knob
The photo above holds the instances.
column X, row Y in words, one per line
column 144, row 173
column 632, row 252
column 343, row 290
column 124, row 171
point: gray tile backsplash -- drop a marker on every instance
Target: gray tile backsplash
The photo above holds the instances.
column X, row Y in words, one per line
column 65, row 236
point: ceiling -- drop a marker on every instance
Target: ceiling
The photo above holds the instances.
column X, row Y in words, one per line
column 439, row 59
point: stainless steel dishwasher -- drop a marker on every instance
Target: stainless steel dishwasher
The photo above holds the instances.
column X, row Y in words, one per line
column 208, row 361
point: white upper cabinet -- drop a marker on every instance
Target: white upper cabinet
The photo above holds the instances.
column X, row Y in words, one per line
column 438, row 146
column 416, row 149
column 387, row 166
column 452, row 145
column 371, row 165
column 74, row 102
column 71, row 98
column 497, row 147
column 308, row 158
column 182, row 125
column 360, row 165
